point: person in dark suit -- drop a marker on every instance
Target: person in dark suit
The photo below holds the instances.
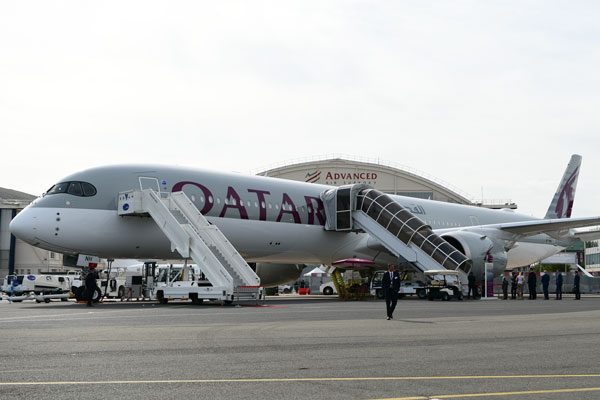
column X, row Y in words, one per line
column 513, row 286
column 505, row 287
column 559, row 283
column 472, row 288
column 576, row 288
column 545, row 284
column 391, row 287
column 532, row 283
column 91, row 285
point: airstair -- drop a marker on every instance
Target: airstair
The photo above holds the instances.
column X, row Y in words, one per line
column 360, row 207
column 194, row 237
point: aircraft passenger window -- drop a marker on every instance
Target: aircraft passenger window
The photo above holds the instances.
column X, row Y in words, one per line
column 262, row 204
column 218, row 200
column 202, row 199
column 277, row 206
column 88, row 189
column 210, row 199
column 256, row 204
column 75, row 189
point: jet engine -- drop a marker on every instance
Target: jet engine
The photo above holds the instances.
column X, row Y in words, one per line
column 478, row 247
column 277, row 274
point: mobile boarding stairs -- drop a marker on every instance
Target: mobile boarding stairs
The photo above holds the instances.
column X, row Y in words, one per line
column 359, row 207
column 194, row 237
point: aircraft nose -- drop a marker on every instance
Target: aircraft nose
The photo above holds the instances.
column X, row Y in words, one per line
column 23, row 226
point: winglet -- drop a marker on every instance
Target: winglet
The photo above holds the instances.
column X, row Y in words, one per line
column 562, row 203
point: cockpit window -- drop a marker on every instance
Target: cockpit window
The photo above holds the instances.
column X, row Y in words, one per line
column 58, row 188
column 81, row 189
column 75, row 189
column 88, row 189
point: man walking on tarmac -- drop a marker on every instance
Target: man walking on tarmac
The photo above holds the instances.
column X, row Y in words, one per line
column 391, row 287
column 90, row 285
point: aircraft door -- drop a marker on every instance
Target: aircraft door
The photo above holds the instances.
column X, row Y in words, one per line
column 343, row 217
column 147, row 182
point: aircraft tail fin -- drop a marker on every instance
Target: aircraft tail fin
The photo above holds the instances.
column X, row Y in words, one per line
column 562, row 202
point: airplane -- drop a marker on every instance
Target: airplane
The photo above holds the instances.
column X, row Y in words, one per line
column 281, row 224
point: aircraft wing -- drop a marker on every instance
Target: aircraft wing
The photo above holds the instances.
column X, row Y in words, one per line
column 551, row 227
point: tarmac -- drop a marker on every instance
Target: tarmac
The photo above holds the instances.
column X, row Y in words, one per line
column 293, row 347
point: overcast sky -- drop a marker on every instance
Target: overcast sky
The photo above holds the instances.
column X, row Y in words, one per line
column 492, row 97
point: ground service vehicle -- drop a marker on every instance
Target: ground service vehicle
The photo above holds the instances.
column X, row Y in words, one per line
column 407, row 287
column 444, row 285
column 41, row 287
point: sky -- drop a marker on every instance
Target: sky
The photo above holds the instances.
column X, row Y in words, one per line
column 492, row 97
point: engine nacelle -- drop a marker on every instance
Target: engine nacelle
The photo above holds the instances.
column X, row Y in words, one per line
column 277, row 274
column 476, row 247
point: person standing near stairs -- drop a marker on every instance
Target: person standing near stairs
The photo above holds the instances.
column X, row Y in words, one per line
column 391, row 286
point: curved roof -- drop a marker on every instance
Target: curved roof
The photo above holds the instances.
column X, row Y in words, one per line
column 388, row 178
column 13, row 199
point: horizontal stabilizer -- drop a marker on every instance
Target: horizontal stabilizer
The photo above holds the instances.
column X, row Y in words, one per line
column 587, row 235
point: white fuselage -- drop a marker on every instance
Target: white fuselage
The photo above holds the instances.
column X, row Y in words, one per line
column 266, row 219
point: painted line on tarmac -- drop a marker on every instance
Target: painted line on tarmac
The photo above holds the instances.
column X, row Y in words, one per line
column 495, row 394
column 291, row 380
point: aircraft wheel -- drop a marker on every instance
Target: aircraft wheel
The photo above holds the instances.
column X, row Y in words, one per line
column 97, row 295
column 79, row 293
column 194, row 298
column 161, row 297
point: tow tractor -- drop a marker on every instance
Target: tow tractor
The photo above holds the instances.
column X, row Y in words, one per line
column 444, row 285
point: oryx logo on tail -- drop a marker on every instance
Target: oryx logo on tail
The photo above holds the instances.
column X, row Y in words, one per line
column 562, row 203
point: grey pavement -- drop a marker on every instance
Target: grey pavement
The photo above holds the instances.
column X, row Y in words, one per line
column 291, row 348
